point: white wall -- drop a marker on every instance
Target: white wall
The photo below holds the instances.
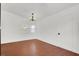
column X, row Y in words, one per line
column 12, row 27
column 76, row 28
column 65, row 22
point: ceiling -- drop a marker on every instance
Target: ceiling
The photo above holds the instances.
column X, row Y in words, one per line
column 41, row 10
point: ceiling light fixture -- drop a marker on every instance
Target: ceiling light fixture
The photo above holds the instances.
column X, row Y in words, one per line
column 32, row 25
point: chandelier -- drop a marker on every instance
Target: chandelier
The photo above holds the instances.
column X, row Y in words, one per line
column 32, row 25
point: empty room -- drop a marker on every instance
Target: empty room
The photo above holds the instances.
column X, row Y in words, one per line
column 39, row 29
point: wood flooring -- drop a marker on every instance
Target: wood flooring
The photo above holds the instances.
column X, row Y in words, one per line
column 33, row 48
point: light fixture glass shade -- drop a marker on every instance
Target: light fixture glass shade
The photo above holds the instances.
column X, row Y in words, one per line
column 33, row 26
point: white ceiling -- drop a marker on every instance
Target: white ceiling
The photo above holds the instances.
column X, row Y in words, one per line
column 41, row 10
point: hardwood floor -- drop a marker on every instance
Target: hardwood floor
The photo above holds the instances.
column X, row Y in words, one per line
column 33, row 48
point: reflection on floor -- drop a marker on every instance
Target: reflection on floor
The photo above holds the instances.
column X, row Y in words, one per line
column 33, row 48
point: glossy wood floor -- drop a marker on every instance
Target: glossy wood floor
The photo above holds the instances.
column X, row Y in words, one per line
column 33, row 48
